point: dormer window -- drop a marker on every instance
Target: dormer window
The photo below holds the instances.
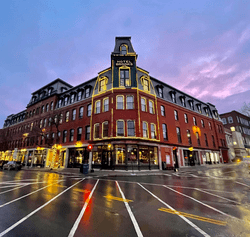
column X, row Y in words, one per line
column 123, row 50
column 102, row 84
column 199, row 108
column 146, row 85
column 79, row 95
column 72, row 98
column 66, row 100
column 215, row 113
column 206, row 111
column 49, row 91
column 173, row 97
column 183, row 102
column 191, row 104
column 160, row 91
column 87, row 92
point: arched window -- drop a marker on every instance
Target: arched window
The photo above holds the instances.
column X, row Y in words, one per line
column 123, row 49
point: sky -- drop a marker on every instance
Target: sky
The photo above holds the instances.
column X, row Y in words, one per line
column 200, row 47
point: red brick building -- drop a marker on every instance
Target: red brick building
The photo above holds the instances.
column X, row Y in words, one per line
column 130, row 119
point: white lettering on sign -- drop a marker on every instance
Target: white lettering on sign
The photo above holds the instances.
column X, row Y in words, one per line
column 124, row 63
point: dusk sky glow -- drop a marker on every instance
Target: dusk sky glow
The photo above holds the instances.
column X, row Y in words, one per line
column 200, row 47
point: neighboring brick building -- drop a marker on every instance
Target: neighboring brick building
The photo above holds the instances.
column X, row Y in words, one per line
column 241, row 123
column 131, row 119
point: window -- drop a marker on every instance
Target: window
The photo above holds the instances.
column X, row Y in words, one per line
column 71, row 135
column 60, row 118
column 164, row 131
column 49, row 91
column 124, row 77
column 198, row 139
column 210, row 125
column 80, row 112
column 178, row 131
column 186, row 118
column 72, row 98
column 176, row 115
column 42, row 109
column 105, row 129
column 97, row 106
column 123, row 50
column 119, row 102
column 206, row 111
column 79, row 95
column 45, row 122
column 102, row 84
column 131, row 128
column 64, row 136
column 143, row 105
column 59, row 134
column 151, row 107
column 31, row 126
column 224, row 120
column 202, row 123
column 199, row 108
column 205, row 136
column 55, row 119
column 41, row 123
column 59, row 103
column 183, row 102
column 145, row 129
column 79, row 134
column 130, row 102
column 230, row 119
column 87, row 132
column 67, row 117
column 213, row 141
column 173, row 97
column 160, row 91
column 153, row 132
column 97, row 130
column 145, row 85
column 194, row 120
column 189, row 137
column 66, row 100
column 162, row 110
column 34, row 112
column 106, row 105
column 74, row 114
column 120, row 128
column 191, row 104
column 47, row 107
column 87, row 92
column 50, row 120
column 89, row 110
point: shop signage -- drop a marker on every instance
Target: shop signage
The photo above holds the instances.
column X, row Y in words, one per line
column 124, row 63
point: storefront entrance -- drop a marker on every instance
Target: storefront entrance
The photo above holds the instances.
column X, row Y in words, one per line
column 191, row 158
column 77, row 156
column 107, row 162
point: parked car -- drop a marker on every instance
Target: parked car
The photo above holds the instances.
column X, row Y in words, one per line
column 12, row 165
column 2, row 162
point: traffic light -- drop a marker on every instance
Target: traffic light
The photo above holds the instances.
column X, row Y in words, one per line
column 90, row 147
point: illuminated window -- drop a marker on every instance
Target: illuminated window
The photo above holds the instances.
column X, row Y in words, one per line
column 160, row 91
column 178, row 131
column 74, row 114
column 151, row 107
column 72, row 98
column 205, row 136
column 106, row 105
column 202, row 123
column 80, row 112
column 153, row 132
column 67, row 117
column 194, row 120
column 119, row 102
column 79, row 95
column 189, row 137
column 66, row 100
column 105, row 129
column 71, row 135
column 124, row 77
column 186, row 118
column 41, row 123
column 123, row 49
column 64, row 136
column 87, row 132
column 145, row 85
column 97, row 130
column 89, row 110
column 98, row 107
column 102, row 84
column 87, row 92
column 120, row 128
column 47, row 107
column 130, row 102
column 143, row 105
column 79, row 134
column 131, row 128
column 60, row 118
column 31, row 126
column 164, row 131
column 145, row 129
column 162, row 110
column 176, row 115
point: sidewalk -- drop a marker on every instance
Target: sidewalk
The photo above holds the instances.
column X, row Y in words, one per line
column 122, row 173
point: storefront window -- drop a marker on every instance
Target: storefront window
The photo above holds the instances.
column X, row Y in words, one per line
column 132, row 154
column 97, row 156
column 77, row 156
column 120, row 154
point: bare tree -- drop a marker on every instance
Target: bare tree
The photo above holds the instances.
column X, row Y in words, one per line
column 245, row 109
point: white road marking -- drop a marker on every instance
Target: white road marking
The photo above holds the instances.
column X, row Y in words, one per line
column 243, row 184
column 217, row 196
column 184, row 218
column 136, row 226
column 206, row 205
column 194, row 175
column 175, row 174
column 38, row 209
column 5, row 204
column 16, row 181
column 75, row 226
column 14, row 188
column 168, row 174
column 11, row 186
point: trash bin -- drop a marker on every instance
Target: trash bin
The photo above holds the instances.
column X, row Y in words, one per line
column 164, row 166
column 84, row 168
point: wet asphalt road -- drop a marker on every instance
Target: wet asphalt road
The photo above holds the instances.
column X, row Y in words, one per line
column 214, row 202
